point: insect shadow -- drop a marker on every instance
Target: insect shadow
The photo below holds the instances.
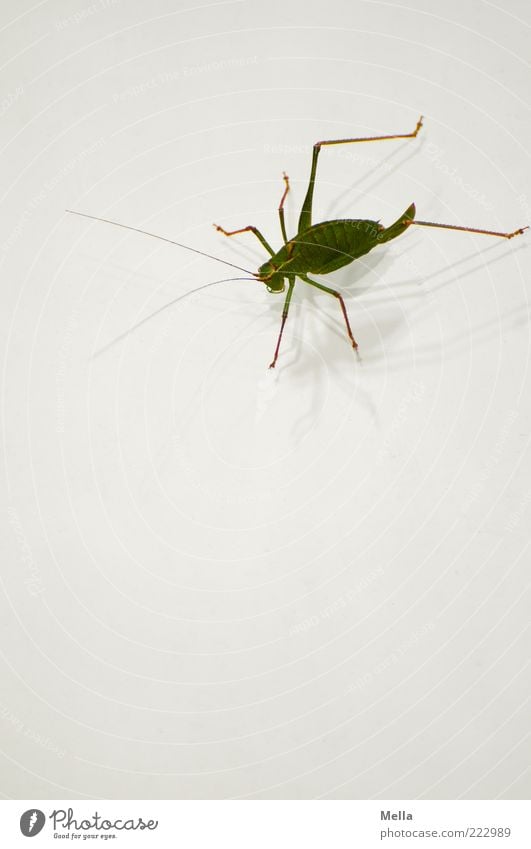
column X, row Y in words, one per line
column 319, row 248
column 454, row 341
column 396, row 157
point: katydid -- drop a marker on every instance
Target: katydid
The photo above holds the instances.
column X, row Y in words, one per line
column 320, row 248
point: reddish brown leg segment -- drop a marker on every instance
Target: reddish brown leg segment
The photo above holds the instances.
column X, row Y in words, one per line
column 249, row 229
column 284, row 317
column 281, row 207
column 469, row 229
column 339, row 297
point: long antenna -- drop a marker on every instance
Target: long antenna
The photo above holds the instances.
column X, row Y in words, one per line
column 155, row 236
column 126, row 333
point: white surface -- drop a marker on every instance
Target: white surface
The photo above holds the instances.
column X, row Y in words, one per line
column 220, row 581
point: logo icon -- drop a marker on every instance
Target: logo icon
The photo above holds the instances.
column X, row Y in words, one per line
column 31, row 822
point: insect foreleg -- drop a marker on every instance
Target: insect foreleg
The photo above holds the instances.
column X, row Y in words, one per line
column 305, row 219
column 337, row 295
column 249, row 229
column 284, row 317
column 281, row 208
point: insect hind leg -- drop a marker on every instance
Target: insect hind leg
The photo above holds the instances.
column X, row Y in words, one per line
column 305, row 219
column 518, row 232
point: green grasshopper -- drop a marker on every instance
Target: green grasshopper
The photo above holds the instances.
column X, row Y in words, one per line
column 324, row 247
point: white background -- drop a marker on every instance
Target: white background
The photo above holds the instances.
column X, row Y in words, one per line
column 223, row 581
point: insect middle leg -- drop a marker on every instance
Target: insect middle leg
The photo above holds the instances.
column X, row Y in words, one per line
column 305, row 219
column 284, row 317
column 249, row 229
column 339, row 297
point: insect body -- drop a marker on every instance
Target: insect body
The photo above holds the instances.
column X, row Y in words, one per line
column 324, row 247
column 330, row 245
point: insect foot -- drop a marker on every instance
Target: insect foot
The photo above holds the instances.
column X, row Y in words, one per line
column 518, row 232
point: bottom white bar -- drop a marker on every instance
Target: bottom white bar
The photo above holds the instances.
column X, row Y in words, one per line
column 271, row 824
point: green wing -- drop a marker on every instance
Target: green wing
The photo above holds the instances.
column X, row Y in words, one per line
column 330, row 245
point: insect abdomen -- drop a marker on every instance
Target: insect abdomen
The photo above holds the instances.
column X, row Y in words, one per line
column 330, row 245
